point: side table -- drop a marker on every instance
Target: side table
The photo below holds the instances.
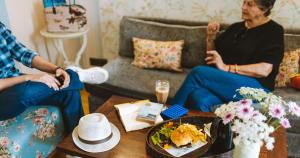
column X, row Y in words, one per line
column 58, row 39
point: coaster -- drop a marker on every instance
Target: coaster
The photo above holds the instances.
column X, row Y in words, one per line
column 174, row 111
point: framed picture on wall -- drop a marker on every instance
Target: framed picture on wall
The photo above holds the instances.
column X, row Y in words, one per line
column 51, row 3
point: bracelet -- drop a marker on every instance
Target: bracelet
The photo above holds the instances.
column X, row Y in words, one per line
column 58, row 67
column 236, row 69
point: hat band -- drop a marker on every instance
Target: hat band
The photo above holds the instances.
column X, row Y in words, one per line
column 96, row 141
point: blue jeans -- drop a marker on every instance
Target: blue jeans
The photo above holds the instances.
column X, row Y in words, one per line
column 207, row 86
column 16, row 99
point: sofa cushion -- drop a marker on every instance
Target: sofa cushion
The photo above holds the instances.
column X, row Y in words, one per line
column 124, row 76
column 194, row 36
column 288, row 66
column 33, row 133
column 157, row 54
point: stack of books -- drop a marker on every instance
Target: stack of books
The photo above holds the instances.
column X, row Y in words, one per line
column 139, row 115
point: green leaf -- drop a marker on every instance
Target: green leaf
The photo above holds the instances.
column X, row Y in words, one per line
column 156, row 138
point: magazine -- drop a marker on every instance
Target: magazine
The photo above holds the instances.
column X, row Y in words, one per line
column 149, row 112
column 128, row 113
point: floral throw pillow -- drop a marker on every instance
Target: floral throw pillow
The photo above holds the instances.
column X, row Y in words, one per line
column 157, row 54
column 288, row 66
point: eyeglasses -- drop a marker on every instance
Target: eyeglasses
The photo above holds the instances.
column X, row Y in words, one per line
column 240, row 35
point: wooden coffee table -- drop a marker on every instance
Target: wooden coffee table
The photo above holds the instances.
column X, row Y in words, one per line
column 132, row 144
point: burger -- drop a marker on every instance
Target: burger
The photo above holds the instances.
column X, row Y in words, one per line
column 187, row 134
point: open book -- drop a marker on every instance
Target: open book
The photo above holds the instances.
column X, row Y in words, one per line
column 128, row 113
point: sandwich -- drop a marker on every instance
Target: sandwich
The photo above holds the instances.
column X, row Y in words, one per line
column 187, row 134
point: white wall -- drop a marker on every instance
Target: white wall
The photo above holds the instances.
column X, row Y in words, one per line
column 26, row 18
column 3, row 13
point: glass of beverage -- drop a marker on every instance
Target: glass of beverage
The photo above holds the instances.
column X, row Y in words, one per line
column 162, row 88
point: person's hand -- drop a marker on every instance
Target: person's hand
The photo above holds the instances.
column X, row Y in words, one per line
column 47, row 79
column 213, row 57
column 65, row 75
column 212, row 29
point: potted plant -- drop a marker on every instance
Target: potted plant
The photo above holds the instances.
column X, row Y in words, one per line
column 254, row 118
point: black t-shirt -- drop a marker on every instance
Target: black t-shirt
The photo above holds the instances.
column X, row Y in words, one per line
column 264, row 43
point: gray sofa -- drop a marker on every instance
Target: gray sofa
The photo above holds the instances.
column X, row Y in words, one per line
column 130, row 81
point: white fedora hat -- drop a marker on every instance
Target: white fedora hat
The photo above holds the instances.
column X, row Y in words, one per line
column 95, row 133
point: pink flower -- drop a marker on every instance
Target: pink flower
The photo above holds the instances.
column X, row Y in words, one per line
column 39, row 155
column 294, row 109
column 276, row 111
column 245, row 112
column 228, row 117
column 4, row 141
column 245, row 102
column 285, row 123
column 16, row 147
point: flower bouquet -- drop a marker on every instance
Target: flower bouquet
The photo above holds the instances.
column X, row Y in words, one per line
column 254, row 118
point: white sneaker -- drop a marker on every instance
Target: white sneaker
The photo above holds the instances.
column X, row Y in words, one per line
column 74, row 68
column 94, row 75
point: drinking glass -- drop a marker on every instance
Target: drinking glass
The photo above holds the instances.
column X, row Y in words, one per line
column 162, row 88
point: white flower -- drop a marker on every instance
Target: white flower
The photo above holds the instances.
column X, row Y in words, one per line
column 294, row 109
column 269, row 143
column 269, row 146
column 270, row 129
column 258, row 117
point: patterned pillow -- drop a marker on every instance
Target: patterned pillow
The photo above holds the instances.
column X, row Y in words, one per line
column 157, row 54
column 288, row 66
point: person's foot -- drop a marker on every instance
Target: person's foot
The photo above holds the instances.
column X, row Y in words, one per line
column 94, row 75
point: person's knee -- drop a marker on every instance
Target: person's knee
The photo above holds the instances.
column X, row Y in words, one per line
column 201, row 69
column 74, row 80
column 202, row 102
column 73, row 74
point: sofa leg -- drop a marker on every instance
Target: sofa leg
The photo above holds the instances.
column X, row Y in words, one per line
column 85, row 103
